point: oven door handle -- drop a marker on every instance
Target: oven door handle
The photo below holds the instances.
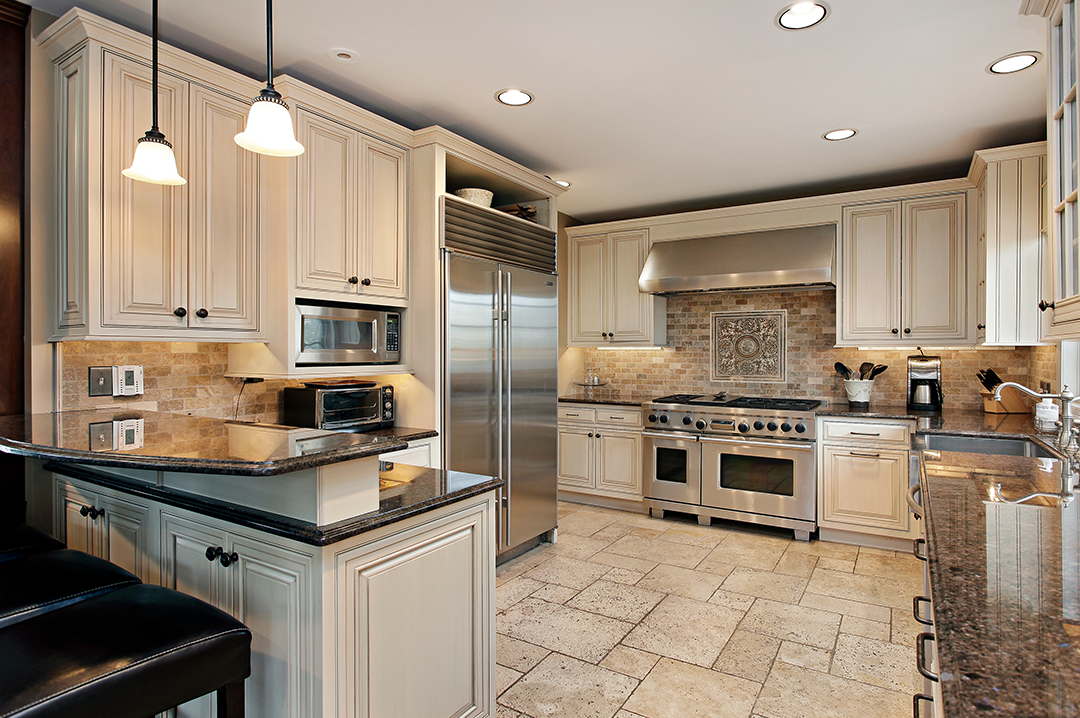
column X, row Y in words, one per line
column 740, row 442
column 675, row 435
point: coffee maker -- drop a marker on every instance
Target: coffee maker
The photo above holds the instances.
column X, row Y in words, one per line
column 924, row 383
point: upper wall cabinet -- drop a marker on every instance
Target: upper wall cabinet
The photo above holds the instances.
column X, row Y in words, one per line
column 351, row 194
column 1013, row 251
column 903, row 277
column 136, row 259
column 605, row 306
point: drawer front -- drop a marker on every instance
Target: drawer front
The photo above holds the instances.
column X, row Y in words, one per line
column 866, row 432
column 577, row 413
column 618, row 417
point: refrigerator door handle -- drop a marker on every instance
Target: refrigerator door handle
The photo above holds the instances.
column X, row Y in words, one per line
column 506, row 443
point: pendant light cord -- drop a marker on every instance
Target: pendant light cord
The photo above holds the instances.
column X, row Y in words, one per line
column 154, row 104
column 269, row 44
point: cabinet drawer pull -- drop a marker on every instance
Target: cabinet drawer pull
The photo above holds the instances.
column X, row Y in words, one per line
column 915, row 703
column 915, row 548
column 917, row 613
column 95, row 513
column 1044, row 305
column 895, row 331
column 366, row 282
column 202, row 314
column 862, row 433
column 227, row 559
column 180, row 312
column 913, row 505
column 354, row 280
column 590, row 435
column 212, row 552
column 618, row 418
column 84, row 510
column 573, row 415
column 907, row 331
column 865, row 456
column 920, row 655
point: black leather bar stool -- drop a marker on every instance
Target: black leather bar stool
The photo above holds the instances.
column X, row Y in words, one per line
column 20, row 540
column 128, row 653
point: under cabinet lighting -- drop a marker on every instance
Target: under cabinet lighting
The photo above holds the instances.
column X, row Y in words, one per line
column 842, row 134
column 513, row 97
column 1013, row 63
column 801, row 15
column 562, row 183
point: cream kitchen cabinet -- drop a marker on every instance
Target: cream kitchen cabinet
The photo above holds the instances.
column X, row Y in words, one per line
column 863, row 479
column 1013, row 250
column 351, row 210
column 419, row 453
column 600, row 450
column 101, row 523
column 904, row 273
column 136, row 260
column 605, row 306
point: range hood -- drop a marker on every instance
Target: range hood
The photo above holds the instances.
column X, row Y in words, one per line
column 796, row 257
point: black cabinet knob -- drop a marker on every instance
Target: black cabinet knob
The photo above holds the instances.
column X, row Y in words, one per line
column 599, row 437
column 202, row 314
column 228, row 559
column 907, row 331
column 980, row 326
column 213, row 552
column 895, row 331
column 366, row 282
column 590, row 435
column 1044, row 305
column 84, row 511
column 180, row 312
column 95, row 513
column 353, row 280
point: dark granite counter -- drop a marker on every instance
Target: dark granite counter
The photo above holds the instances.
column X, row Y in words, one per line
column 609, row 395
column 404, row 491
column 178, row 442
column 948, row 421
column 1006, row 584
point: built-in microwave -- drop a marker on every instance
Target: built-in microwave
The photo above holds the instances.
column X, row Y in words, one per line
column 343, row 334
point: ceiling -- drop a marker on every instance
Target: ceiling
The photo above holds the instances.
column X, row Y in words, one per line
column 651, row 107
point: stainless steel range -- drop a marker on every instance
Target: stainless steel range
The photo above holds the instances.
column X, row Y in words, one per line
column 741, row 458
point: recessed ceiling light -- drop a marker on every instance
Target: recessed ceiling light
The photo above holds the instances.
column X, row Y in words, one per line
column 802, row 15
column 837, row 135
column 1013, row 63
column 514, row 98
column 343, row 55
column 562, row 183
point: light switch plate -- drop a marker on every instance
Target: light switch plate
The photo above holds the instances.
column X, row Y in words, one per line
column 101, row 381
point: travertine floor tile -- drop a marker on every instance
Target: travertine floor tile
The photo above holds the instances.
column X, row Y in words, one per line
column 763, row 584
column 519, row 655
column 859, row 587
column 836, row 564
column 878, row 663
column 623, row 575
column 563, row 687
column 627, row 714
column 630, row 661
column 514, row 590
column 517, row 566
column 905, row 627
column 619, row 561
column 686, row 630
column 646, row 533
column 753, row 550
column 554, row 593
column 697, row 585
column 581, row 547
column 899, row 568
column 715, row 563
column 567, row 630
column 799, row 654
column 679, row 690
column 736, row 601
column 692, row 535
column 612, row 532
column 840, row 551
column 616, row 600
column 868, row 611
column 502, row 711
column 794, row 692
column 748, row 655
column 584, row 523
column 504, row 678
column 658, row 551
column 863, row 627
column 570, row 572
column 796, row 564
column 792, row 623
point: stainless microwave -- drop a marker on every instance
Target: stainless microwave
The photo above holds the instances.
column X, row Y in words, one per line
column 340, row 334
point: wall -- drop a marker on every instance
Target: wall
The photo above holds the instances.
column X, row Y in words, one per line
column 683, row 366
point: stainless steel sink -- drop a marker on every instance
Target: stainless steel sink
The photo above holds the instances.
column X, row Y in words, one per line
column 984, row 445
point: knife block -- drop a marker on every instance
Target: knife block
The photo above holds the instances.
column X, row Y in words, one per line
column 1011, row 403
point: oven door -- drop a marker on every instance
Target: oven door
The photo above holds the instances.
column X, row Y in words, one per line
column 350, row 408
column 672, row 467
column 759, row 477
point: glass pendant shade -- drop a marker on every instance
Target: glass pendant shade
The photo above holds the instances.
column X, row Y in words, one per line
column 154, row 162
column 269, row 128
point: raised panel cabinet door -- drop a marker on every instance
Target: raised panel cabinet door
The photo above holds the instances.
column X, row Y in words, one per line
column 864, row 489
column 127, row 536
column 224, row 224
column 576, row 462
column 272, row 587
column 72, row 178
column 144, row 275
column 870, row 282
column 384, row 232
column 328, row 205
column 416, row 614
column 73, row 524
column 934, row 269
column 629, row 313
column 588, row 290
column 619, row 465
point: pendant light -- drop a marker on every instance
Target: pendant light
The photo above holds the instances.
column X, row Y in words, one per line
column 269, row 129
column 154, row 160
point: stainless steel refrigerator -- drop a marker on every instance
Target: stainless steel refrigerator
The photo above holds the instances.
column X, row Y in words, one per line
column 501, row 361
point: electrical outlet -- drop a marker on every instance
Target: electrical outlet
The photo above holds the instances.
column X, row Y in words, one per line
column 101, row 381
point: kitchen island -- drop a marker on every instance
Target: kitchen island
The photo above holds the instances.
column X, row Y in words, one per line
column 367, row 592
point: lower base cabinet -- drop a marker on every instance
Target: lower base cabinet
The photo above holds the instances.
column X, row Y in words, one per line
column 398, row 621
column 600, row 451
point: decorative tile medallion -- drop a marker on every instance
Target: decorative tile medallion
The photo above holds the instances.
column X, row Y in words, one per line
column 748, row 346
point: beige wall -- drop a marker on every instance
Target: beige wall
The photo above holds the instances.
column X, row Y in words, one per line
column 571, row 359
column 683, row 366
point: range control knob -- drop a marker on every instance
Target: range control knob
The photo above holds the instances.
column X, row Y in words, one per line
column 785, row 427
column 744, row 427
column 772, row 426
column 759, row 425
column 687, row 420
column 800, row 428
column 652, row 418
column 701, row 424
column 663, row 418
column 388, row 405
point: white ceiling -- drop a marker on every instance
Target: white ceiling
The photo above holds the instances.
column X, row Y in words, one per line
column 651, row 107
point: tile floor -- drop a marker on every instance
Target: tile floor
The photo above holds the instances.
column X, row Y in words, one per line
column 631, row 616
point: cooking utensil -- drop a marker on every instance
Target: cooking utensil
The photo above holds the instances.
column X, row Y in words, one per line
column 878, row 369
column 842, row 370
column 865, row 368
column 985, row 381
column 994, row 378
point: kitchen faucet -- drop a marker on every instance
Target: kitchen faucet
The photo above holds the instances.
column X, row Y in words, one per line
column 1066, row 397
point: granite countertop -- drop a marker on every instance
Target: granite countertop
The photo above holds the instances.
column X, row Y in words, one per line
column 404, row 491
column 179, row 442
column 609, row 395
column 969, row 422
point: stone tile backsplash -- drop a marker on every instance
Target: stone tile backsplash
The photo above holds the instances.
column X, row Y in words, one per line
column 683, row 366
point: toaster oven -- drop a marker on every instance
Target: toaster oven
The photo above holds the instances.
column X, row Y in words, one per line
column 340, row 408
